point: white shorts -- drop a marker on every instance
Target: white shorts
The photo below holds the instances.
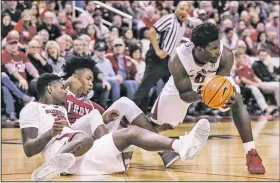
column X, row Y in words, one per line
column 169, row 109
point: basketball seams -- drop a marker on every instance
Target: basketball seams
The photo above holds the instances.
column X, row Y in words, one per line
column 217, row 91
column 217, row 76
column 226, row 97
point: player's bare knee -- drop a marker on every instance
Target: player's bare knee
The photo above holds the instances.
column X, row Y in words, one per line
column 132, row 131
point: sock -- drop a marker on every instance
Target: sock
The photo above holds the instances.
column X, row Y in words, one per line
column 248, row 146
column 175, row 145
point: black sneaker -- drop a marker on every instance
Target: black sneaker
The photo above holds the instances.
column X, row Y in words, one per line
column 169, row 157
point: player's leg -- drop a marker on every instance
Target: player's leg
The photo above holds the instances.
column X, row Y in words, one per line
column 243, row 124
column 92, row 124
column 61, row 155
column 187, row 146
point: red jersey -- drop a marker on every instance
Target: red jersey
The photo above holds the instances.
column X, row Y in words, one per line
column 245, row 72
column 18, row 61
column 78, row 107
column 25, row 34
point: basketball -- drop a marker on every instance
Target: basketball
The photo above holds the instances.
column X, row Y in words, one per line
column 216, row 91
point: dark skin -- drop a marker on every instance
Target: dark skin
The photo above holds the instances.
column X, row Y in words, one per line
column 183, row 83
column 32, row 144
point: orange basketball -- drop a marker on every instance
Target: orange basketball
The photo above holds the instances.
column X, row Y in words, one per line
column 216, row 91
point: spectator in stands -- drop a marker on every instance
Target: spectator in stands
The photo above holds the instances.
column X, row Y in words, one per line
column 6, row 25
column 246, row 37
column 261, row 69
column 109, row 38
column 25, row 28
column 149, row 18
column 65, row 25
column 105, row 66
column 48, row 24
column 9, row 88
column 227, row 23
column 248, row 77
column 87, row 16
column 12, row 11
column 54, row 58
column 272, row 43
column 68, row 10
column 35, row 57
column 245, row 17
column 135, row 53
column 50, row 7
column 118, row 22
column 101, row 29
column 87, row 50
column 45, row 36
column 23, row 5
column 16, row 62
column 144, row 40
column 274, row 26
column 78, row 27
column 261, row 41
column 233, row 11
column 62, row 46
column 123, row 66
column 242, row 47
column 68, row 43
column 35, row 18
column 77, row 50
column 216, row 16
column 241, row 27
column 230, row 38
column 40, row 41
column 91, row 32
column 202, row 15
column 129, row 38
column 115, row 31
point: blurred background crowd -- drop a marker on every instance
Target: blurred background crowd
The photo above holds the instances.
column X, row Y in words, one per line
column 40, row 36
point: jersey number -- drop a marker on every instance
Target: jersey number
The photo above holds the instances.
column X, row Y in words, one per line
column 58, row 117
column 199, row 78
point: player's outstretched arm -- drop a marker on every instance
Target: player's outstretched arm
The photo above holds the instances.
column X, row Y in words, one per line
column 182, row 81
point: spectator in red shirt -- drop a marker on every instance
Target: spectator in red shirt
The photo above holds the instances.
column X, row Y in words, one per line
column 247, row 76
column 123, row 66
column 16, row 62
column 65, row 25
column 25, row 28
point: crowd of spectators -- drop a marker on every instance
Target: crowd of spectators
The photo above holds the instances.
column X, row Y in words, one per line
column 40, row 36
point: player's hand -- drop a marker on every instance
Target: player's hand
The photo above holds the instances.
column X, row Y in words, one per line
column 106, row 84
column 232, row 100
column 23, row 84
column 110, row 115
column 57, row 127
column 161, row 54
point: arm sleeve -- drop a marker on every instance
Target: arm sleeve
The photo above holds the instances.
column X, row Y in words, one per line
column 11, row 69
column 163, row 23
column 29, row 116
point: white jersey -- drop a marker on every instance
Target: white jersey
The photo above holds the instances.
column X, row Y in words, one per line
column 197, row 74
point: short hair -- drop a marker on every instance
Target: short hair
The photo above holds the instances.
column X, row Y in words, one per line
column 205, row 33
column 262, row 50
column 77, row 63
column 228, row 29
column 43, row 81
column 238, row 53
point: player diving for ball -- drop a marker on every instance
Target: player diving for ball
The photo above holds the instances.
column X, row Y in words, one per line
column 67, row 148
column 190, row 64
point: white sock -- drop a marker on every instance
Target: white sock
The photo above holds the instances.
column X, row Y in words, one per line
column 248, row 146
column 176, row 145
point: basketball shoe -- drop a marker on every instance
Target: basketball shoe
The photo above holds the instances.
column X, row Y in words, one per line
column 254, row 162
column 54, row 167
column 190, row 144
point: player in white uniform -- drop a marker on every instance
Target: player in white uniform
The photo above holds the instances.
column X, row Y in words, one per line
column 45, row 128
column 190, row 65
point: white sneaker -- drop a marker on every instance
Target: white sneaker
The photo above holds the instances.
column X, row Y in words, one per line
column 52, row 168
column 192, row 143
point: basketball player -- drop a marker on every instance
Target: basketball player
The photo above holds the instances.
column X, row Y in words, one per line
column 45, row 128
column 189, row 65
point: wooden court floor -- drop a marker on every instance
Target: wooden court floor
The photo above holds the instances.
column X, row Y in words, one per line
column 222, row 158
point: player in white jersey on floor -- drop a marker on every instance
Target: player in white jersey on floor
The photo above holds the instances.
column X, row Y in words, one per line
column 190, row 64
column 45, row 128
